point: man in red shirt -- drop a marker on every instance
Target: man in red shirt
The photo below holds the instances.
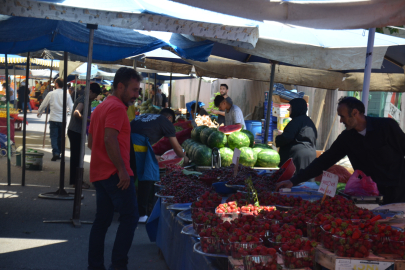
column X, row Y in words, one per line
column 110, row 172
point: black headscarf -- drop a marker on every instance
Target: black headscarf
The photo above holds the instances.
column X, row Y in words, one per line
column 298, row 107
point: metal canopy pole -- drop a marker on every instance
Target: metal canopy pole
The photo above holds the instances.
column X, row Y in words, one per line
column 8, row 125
column 61, row 193
column 25, row 104
column 78, row 196
column 155, row 88
column 198, row 96
column 80, row 170
column 14, row 91
column 148, row 85
column 170, row 91
column 47, row 108
column 367, row 68
column 266, row 131
column 75, row 87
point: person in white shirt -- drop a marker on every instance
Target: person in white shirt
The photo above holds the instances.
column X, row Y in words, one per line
column 55, row 99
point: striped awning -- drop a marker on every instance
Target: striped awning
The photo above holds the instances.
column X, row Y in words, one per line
column 36, row 61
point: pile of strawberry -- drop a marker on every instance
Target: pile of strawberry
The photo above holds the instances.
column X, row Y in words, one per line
column 207, row 200
column 229, row 207
column 314, row 231
column 397, row 245
column 383, row 236
column 298, row 253
column 241, row 243
column 261, row 258
column 283, row 234
column 203, row 220
column 276, row 217
column 256, row 210
column 214, row 239
column 239, row 197
column 268, row 198
column 345, row 209
column 352, row 243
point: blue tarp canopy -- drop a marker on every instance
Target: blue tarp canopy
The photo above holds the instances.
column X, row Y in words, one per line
column 20, row 35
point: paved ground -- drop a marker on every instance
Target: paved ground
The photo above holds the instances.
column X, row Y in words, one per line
column 26, row 242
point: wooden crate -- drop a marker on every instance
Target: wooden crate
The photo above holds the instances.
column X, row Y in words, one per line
column 328, row 259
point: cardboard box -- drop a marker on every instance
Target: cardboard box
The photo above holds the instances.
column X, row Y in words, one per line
column 281, row 109
column 282, row 122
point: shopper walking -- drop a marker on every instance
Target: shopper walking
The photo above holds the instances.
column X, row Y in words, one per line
column 55, row 100
column 110, row 172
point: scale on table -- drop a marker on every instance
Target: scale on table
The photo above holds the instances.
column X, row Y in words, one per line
column 216, row 158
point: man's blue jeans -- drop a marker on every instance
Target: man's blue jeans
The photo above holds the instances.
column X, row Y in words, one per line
column 109, row 199
column 25, row 104
column 55, row 132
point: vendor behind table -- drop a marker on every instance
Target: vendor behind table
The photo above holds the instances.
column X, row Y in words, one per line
column 373, row 145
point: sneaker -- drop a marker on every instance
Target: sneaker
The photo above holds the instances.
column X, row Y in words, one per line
column 54, row 158
column 85, row 185
column 143, row 219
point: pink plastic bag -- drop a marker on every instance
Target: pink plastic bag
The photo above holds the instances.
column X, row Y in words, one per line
column 360, row 184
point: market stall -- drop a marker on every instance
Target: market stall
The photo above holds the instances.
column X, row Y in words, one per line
column 230, row 217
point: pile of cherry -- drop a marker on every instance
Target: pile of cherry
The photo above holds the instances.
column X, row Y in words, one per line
column 184, row 188
column 242, row 230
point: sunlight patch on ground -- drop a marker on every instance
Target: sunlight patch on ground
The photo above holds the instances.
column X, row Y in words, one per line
column 16, row 244
column 5, row 194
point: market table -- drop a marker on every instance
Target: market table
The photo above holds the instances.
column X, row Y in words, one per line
column 177, row 248
column 3, row 127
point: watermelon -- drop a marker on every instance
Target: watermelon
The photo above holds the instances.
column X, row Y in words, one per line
column 262, row 145
column 185, row 144
column 169, row 155
column 268, row 158
column 195, row 133
column 205, row 133
column 176, row 161
column 203, row 156
column 250, row 135
column 226, row 156
column 230, row 129
column 192, row 150
column 217, row 139
column 238, row 140
column 258, row 147
column 247, row 157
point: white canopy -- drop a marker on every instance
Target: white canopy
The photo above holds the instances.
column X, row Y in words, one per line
column 321, row 14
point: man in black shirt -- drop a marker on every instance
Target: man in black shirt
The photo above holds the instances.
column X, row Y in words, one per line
column 373, row 145
column 154, row 127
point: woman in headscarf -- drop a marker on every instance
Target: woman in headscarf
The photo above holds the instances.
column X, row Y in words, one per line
column 298, row 141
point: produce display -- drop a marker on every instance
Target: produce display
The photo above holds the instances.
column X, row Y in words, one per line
column 205, row 120
column 226, row 139
column 248, row 227
column 227, row 130
column 205, row 133
column 217, row 139
column 238, row 140
column 148, row 107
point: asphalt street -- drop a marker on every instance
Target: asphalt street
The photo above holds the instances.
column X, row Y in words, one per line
column 28, row 240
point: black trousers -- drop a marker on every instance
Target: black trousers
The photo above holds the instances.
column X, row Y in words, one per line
column 392, row 194
column 75, row 142
column 146, row 197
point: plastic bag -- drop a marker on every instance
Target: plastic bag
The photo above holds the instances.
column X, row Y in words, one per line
column 360, row 184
